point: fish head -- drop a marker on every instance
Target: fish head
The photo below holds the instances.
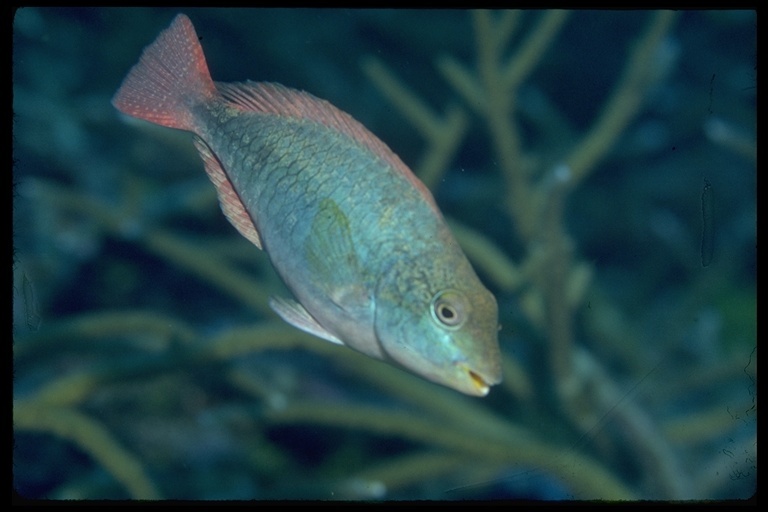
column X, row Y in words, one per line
column 447, row 335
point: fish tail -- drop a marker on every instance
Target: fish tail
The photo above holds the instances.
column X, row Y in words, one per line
column 170, row 78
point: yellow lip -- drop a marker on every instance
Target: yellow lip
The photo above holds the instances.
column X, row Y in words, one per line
column 479, row 383
column 479, row 386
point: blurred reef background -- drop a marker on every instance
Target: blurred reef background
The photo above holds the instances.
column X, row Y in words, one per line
column 599, row 169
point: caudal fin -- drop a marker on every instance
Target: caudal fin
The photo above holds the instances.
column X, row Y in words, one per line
column 169, row 79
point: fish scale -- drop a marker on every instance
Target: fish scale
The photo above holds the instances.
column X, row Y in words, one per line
column 288, row 186
column 355, row 236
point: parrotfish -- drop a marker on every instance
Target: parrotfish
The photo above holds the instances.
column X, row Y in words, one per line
column 353, row 233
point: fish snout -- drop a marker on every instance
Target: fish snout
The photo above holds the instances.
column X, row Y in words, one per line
column 474, row 382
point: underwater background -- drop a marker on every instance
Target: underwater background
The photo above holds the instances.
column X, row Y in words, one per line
column 598, row 167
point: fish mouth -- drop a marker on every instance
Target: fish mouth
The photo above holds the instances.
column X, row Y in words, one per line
column 479, row 386
column 479, row 383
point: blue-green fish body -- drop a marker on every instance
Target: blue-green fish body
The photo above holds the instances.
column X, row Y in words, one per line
column 354, row 234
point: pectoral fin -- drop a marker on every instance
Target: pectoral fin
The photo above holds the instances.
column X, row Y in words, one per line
column 337, row 282
column 332, row 257
column 295, row 314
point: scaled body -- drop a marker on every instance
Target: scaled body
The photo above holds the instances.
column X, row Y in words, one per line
column 352, row 232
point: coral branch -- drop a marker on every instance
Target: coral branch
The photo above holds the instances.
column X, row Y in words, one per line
column 196, row 259
column 642, row 71
column 193, row 257
column 531, row 51
column 92, row 438
column 463, row 82
column 412, row 468
column 590, row 481
column 101, row 326
column 443, row 136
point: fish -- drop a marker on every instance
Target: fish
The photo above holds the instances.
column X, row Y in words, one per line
column 356, row 237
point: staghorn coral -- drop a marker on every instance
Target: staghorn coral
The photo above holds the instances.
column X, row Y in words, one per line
column 147, row 362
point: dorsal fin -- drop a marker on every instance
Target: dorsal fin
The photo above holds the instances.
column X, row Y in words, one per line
column 273, row 98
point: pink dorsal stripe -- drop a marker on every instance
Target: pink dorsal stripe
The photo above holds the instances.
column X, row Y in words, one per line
column 273, row 98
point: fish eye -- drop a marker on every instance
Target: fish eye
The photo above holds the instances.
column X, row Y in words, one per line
column 449, row 309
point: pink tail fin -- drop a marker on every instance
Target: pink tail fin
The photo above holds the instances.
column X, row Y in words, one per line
column 169, row 79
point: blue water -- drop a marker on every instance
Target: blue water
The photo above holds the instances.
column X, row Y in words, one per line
column 676, row 339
